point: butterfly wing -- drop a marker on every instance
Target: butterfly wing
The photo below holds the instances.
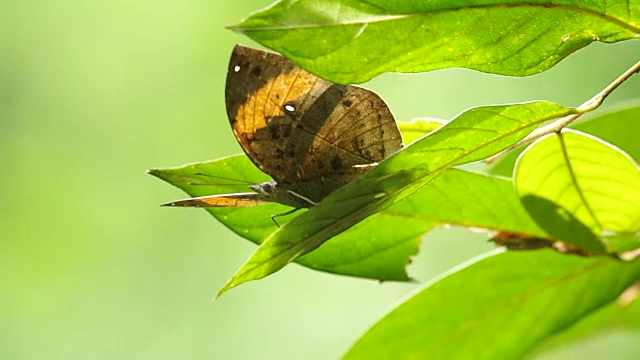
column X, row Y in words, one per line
column 224, row 200
column 265, row 95
column 306, row 133
column 360, row 130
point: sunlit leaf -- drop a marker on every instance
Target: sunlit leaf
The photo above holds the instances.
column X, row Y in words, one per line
column 496, row 307
column 576, row 187
column 475, row 134
column 351, row 41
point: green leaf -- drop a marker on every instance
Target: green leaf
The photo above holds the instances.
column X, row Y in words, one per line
column 227, row 175
column 496, row 307
column 619, row 316
column 380, row 246
column 619, row 127
column 417, row 128
column 352, row 41
column 577, row 187
column 475, row 134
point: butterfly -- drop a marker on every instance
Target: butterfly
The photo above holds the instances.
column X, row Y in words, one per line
column 310, row 135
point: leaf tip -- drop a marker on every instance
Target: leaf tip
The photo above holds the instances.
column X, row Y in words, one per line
column 229, row 285
column 153, row 172
column 235, row 27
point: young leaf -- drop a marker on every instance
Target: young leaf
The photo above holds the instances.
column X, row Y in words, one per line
column 496, row 307
column 473, row 135
column 576, row 187
column 352, row 41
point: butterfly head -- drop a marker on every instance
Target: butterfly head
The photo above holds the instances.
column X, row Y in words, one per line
column 272, row 191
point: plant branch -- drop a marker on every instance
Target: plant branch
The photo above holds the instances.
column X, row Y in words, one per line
column 561, row 123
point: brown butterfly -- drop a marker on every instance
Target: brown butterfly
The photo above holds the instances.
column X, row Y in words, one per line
column 310, row 135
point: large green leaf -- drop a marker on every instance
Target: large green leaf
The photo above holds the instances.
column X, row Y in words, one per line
column 380, row 246
column 475, row 134
column 496, row 307
column 577, row 187
column 351, row 41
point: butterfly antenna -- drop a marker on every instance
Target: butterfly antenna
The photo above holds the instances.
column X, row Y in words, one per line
column 302, row 198
column 274, row 216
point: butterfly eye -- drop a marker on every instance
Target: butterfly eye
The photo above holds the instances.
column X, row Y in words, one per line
column 289, row 108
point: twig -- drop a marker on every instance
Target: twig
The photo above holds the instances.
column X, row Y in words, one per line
column 561, row 123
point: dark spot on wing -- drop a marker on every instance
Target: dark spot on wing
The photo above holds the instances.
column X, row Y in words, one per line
column 285, row 130
column 256, row 71
column 275, row 132
column 336, row 163
column 347, row 103
column 278, row 130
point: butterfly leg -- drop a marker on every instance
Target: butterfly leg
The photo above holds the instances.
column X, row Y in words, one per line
column 274, row 216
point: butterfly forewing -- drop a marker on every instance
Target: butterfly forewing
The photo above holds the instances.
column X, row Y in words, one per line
column 307, row 133
column 266, row 95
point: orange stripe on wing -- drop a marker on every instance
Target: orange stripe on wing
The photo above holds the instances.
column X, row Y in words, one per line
column 224, row 200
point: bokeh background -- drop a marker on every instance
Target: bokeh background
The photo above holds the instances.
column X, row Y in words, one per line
column 92, row 94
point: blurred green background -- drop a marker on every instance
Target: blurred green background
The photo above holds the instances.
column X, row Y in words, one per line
column 94, row 93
